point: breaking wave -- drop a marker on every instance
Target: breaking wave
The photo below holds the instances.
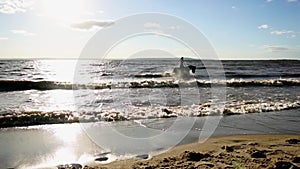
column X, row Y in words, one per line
column 14, row 85
column 14, row 119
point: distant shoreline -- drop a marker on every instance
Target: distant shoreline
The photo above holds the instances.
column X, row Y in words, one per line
column 155, row 59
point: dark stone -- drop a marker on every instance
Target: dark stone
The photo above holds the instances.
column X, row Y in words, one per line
column 149, row 167
column 165, row 160
column 228, row 148
column 296, row 160
column 70, row 166
column 293, row 141
column 194, row 156
column 60, row 167
column 143, row 156
column 222, row 154
column 167, row 111
column 101, row 159
column 283, row 165
column 258, row 154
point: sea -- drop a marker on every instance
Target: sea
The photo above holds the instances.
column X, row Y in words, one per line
column 59, row 113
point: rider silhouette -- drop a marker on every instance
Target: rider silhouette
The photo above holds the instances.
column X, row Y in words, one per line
column 181, row 63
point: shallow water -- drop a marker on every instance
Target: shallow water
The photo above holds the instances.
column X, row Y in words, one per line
column 51, row 145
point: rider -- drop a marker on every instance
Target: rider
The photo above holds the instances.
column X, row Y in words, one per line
column 181, row 63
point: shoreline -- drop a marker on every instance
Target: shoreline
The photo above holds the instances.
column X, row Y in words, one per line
column 234, row 151
column 81, row 150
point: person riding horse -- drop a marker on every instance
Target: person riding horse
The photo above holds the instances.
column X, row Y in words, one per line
column 183, row 71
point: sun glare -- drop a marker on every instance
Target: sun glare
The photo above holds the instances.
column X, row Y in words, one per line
column 65, row 10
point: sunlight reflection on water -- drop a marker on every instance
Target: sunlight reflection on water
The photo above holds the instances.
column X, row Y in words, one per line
column 71, row 146
column 58, row 70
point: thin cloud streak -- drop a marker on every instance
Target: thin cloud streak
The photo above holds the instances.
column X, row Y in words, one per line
column 87, row 25
column 282, row 32
column 289, row 33
column 276, row 48
column 22, row 32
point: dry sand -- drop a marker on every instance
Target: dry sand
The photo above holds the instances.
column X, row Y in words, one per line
column 239, row 151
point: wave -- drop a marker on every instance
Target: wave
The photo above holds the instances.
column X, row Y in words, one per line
column 15, row 119
column 244, row 76
column 36, row 118
column 252, row 106
column 14, row 85
column 228, row 74
column 269, row 82
column 152, row 75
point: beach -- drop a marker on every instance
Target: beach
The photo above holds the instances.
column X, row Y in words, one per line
column 237, row 151
column 136, row 114
column 94, row 84
column 233, row 142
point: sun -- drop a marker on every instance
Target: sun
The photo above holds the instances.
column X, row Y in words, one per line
column 64, row 10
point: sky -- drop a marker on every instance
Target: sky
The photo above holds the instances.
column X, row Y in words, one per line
column 236, row 29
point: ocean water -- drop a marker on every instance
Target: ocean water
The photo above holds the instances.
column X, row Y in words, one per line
column 142, row 101
column 61, row 91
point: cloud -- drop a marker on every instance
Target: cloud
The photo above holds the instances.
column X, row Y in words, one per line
column 14, row 6
column 22, row 32
column 87, row 25
column 292, row 0
column 264, row 26
column 276, row 48
column 3, row 38
column 282, row 32
column 290, row 33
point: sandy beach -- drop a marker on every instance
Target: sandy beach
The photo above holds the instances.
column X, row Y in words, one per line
column 238, row 151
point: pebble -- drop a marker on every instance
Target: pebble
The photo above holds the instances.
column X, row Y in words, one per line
column 194, row 156
column 296, row 160
column 143, row 156
column 228, row 148
column 101, row 159
column 258, row 154
column 293, row 141
column 70, row 166
column 283, row 165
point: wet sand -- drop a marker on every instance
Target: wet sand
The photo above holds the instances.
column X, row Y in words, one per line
column 237, row 151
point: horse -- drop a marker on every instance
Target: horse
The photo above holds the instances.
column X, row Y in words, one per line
column 184, row 72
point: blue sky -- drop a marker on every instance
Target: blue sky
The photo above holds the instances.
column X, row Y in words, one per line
column 237, row 29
